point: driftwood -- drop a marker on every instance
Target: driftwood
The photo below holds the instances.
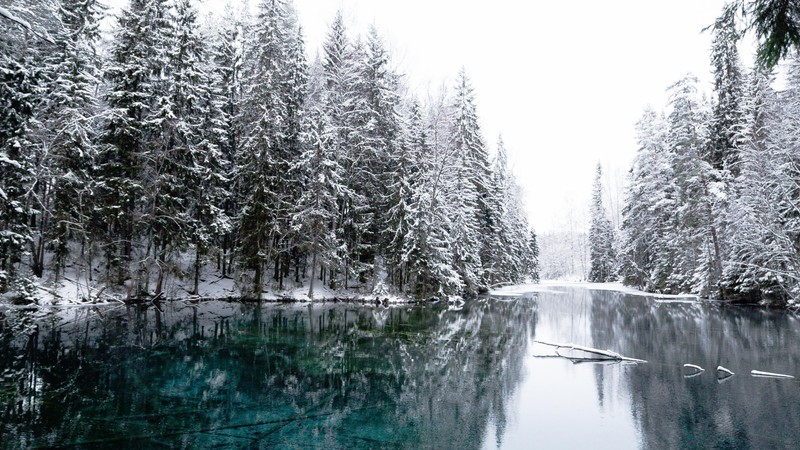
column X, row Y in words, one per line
column 603, row 354
column 758, row 373
column 696, row 370
column 723, row 373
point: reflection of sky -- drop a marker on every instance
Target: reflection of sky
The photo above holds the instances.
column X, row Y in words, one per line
column 559, row 404
column 556, row 404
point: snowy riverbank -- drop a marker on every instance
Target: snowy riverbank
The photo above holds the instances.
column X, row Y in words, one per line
column 552, row 285
column 68, row 292
column 72, row 290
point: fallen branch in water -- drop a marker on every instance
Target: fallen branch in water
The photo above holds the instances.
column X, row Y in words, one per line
column 587, row 360
column 758, row 373
column 607, row 354
column 697, row 370
column 726, row 373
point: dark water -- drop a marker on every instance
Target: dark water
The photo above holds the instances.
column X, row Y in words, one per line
column 227, row 375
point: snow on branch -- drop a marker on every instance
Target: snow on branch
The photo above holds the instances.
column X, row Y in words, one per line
column 22, row 22
column 758, row 373
column 724, row 371
column 8, row 15
column 695, row 370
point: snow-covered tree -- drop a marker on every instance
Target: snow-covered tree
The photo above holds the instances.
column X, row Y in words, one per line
column 760, row 251
column 136, row 77
column 317, row 209
column 646, row 251
column 601, row 236
column 17, row 85
column 266, row 155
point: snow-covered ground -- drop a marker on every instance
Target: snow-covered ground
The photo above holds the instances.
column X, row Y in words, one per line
column 74, row 289
column 553, row 285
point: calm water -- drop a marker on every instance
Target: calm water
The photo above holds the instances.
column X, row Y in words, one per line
column 226, row 375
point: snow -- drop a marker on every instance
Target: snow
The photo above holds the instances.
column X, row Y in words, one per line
column 8, row 15
column 758, row 373
column 73, row 289
column 553, row 285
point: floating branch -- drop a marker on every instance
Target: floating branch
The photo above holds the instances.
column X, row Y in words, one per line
column 758, row 373
column 697, row 370
column 726, row 373
column 606, row 354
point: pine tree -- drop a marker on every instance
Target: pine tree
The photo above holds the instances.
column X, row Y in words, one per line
column 402, row 181
column 698, row 249
column 601, row 236
column 468, row 193
column 17, row 85
column 290, row 186
column 758, row 252
column 70, row 127
column 345, row 105
column 727, row 115
column 271, row 107
column 646, row 253
column 428, row 246
column 317, row 209
column 511, row 259
column 134, row 75
column 226, row 96
column 532, row 265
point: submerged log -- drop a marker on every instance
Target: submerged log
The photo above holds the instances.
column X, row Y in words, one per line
column 758, row 373
column 607, row 354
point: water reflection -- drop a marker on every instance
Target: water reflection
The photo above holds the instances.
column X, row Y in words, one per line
column 703, row 412
column 342, row 376
column 654, row 405
column 233, row 375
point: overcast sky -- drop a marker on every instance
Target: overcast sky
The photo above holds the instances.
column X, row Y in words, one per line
column 564, row 82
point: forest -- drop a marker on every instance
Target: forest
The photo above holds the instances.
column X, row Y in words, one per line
column 188, row 149
column 712, row 204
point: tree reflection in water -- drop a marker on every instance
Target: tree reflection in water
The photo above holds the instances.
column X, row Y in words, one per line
column 700, row 412
column 243, row 375
column 343, row 375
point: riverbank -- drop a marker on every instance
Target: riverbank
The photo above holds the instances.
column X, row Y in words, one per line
column 550, row 285
column 72, row 290
column 68, row 292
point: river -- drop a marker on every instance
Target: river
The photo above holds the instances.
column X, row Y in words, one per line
column 341, row 375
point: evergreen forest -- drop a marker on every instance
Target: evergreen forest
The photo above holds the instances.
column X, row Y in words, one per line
column 191, row 150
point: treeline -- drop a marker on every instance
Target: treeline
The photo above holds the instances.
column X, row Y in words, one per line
column 180, row 151
column 712, row 206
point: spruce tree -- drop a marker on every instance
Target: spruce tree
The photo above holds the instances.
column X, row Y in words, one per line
column 71, row 124
column 135, row 81
column 475, row 216
column 225, row 76
column 646, row 252
column 317, row 209
column 601, row 236
column 17, row 85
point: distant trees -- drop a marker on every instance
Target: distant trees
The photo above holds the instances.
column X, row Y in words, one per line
column 601, row 236
column 228, row 152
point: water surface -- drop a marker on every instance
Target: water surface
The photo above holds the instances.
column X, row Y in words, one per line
column 232, row 375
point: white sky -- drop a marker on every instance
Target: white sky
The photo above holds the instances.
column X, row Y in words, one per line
column 564, row 82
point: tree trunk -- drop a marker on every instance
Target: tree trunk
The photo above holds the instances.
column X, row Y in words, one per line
column 313, row 275
column 257, row 281
column 196, row 290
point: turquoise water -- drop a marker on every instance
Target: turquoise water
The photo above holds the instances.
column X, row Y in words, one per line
column 230, row 375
